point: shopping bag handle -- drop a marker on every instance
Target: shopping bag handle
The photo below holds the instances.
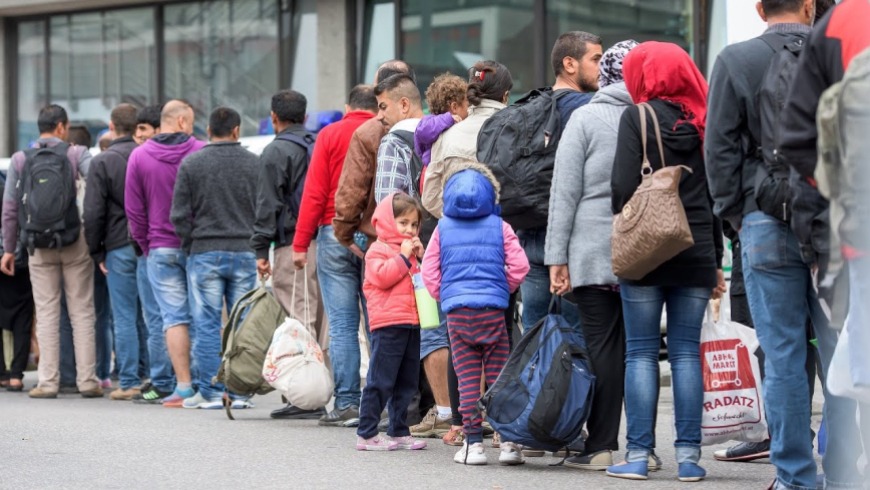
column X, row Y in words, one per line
column 555, row 307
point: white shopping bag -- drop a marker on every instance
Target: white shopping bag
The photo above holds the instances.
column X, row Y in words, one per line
column 733, row 409
column 839, row 378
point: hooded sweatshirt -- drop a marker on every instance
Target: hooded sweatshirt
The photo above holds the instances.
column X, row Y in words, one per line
column 387, row 285
column 474, row 259
column 151, row 173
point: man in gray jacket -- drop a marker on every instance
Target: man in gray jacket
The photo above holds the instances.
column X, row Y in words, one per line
column 213, row 214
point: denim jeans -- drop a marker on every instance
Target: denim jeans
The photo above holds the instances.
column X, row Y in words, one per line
column 780, row 295
column 102, row 329
column 167, row 271
column 124, row 295
column 162, row 376
column 642, row 311
column 535, row 290
column 339, row 273
column 215, row 277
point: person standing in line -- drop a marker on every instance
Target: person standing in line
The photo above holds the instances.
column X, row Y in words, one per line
column 147, row 123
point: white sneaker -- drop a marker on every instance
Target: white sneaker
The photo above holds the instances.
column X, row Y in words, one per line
column 199, row 401
column 242, row 403
column 511, row 454
column 474, row 455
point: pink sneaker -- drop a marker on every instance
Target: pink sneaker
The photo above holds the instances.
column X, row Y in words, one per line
column 106, row 384
column 408, row 442
column 376, row 443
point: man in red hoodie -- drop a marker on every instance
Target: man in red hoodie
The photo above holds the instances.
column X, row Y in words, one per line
column 339, row 271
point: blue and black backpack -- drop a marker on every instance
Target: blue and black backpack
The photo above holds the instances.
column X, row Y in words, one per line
column 543, row 395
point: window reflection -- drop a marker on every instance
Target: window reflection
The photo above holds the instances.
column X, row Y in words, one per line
column 380, row 37
column 31, row 80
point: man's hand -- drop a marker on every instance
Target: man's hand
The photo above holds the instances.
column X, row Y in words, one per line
column 300, row 259
column 263, row 268
column 560, row 280
column 354, row 248
column 7, row 264
column 721, row 287
column 103, row 268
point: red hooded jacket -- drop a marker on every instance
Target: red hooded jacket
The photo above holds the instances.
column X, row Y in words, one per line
column 387, row 286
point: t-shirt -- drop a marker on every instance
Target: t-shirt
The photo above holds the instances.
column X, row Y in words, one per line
column 568, row 103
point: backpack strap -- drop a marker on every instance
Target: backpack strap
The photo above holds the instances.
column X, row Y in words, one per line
column 415, row 166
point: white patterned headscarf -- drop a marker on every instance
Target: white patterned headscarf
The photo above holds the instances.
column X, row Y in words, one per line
column 611, row 63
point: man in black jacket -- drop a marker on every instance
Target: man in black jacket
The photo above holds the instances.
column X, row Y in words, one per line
column 109, row 245
column 283, row 165
column 776, row 279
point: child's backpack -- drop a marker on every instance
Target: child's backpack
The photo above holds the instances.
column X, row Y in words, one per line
column 246, row 339
column 47, row 211
column 543, row 395
column 293, row 199
column 518, row 143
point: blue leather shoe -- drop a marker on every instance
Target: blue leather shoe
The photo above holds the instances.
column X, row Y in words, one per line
column 629, row 471
column 690, row 472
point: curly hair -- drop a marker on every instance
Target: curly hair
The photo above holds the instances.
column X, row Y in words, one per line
column 446, row 88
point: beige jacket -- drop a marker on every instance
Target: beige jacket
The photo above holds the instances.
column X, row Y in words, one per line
column 457, row 144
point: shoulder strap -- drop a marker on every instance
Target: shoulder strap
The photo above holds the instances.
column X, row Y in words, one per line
column 775, row 41
column 645, row 168
column 657, row 131
column 306, row 142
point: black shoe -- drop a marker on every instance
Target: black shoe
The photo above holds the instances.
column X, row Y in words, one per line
column 150, row 395
column 296, row 413
column 744, row 452
column 349, row 417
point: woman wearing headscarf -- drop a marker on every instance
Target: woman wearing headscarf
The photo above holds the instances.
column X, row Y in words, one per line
column 578, row 249
column 663, row 75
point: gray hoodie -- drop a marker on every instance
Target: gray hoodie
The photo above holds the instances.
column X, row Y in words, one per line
column 580, row 221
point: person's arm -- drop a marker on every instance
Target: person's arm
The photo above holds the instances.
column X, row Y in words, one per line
column 10, row 204
column 566, row 190
column 96, row 209
column 385, row 268
column 392, row 172
column 354, row 186
column 270, row 192
column 854, row 176
column 627, row 162
column 181, row 214
column 723, row 148
column 134, row 205
column 315, row 195
column 429, row 129
column 516, row 262
column 432, row 266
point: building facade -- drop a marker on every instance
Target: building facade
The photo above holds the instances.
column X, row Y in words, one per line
column 89, row 55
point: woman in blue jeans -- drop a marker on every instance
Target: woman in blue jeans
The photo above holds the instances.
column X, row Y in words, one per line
column 663, row 75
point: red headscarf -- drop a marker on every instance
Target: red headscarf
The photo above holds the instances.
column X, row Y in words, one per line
column 655, row 70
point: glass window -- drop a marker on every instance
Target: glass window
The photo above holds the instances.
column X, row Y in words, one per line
column 31, row 80
column 304, row 74
column 451, row 35
column 617, row 20
column 223, row 53
column 380, row 37
column 101, row 59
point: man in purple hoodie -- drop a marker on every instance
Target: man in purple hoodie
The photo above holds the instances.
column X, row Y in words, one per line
column 151, row 174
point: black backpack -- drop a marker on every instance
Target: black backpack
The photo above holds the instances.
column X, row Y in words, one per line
column 415, row 169
column 293, row 199
column 773, row 193
column 47, row 211
column 518, row 143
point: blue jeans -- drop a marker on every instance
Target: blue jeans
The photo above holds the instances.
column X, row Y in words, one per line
column 162, row 376
column 215, row 278
column 781, row 298
column 339, row 273
column 535, row 290
column 124, row 295
column 167, row 271
column 642, row 311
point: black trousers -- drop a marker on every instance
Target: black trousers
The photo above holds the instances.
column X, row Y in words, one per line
column 16, row 315
column 604, row 331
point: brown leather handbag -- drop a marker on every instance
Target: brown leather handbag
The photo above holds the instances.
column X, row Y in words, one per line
column 652, row 227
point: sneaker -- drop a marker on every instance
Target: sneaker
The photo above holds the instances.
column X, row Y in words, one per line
column 94, row 393
column 408, row 442
column 431, row 425
column 173, row 401
column 150, row 395
column 242, row 404
column 496, row 440
column 578, row 447
column 511, row 454
column 533, row 453
column 597, row 461
column 629, row 471
column 295, row 413
column 105, row 384
column 744, row 452
column 454, row 437
column 376, row 443
column 349, row 417
column 200, row 401
column 691, row 472
column 41, row 393
column 654, row 463
column 474, row 455
column 121, row 394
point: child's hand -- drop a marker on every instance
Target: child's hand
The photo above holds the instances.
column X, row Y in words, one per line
column 419, row 250
column 407, row 248
column 457, row 118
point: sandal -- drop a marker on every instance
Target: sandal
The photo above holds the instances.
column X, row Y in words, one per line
column 4, row 383
column 454, row 437
column 11, row 386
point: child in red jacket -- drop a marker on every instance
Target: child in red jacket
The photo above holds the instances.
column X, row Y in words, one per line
column 394, row 368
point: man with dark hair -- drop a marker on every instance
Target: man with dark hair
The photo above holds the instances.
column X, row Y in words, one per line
column 147, row 123
column 283, row 167
column 109, row 245
column 80, row 135
column 151, row 174
column 213, row 214
column 776, row 280
column 400, row 108
column 338, row 270
column 68, row 263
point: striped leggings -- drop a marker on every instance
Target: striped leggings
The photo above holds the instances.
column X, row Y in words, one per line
column 479, row 345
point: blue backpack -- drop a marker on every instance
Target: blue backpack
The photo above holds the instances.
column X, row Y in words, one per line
column 543, row 395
